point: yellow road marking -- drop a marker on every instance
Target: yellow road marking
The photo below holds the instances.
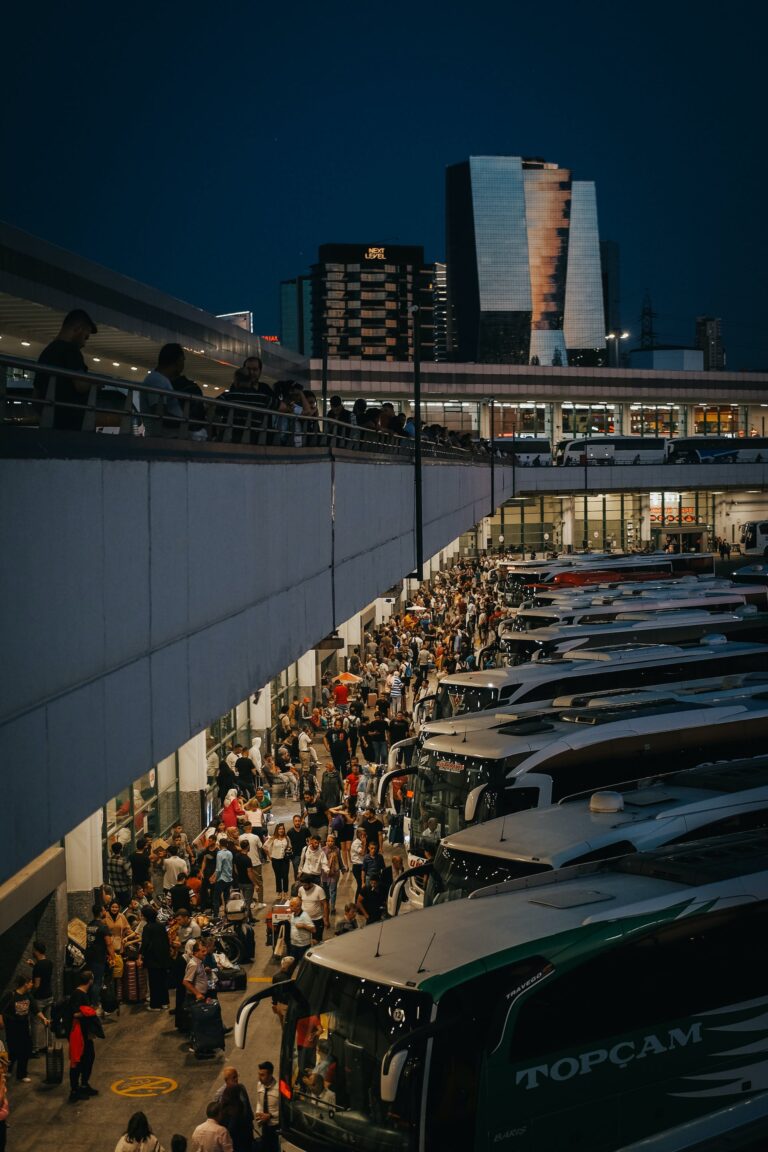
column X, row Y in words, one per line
column 139, row 1086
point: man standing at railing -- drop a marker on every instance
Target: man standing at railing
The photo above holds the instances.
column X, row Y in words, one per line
column 170, row 365
column 65, row 352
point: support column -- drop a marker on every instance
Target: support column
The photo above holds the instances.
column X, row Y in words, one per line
column 645, row 518
column 307, row 670
column 85, row 866
column 568, row 523
column 383, row 609
column 193, row 780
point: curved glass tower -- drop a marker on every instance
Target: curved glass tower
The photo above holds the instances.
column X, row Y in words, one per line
column 523, row 255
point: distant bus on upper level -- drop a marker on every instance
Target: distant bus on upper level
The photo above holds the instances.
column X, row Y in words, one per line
column 527, row 450
column 717, row 450
column 754, row 538
column 611, row 450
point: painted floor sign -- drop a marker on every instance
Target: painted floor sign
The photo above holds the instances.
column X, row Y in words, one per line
column 138, row 1087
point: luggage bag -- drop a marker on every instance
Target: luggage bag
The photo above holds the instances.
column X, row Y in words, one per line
column 232, row 980
column 134, row 983
column 54, row 1060
column 207, row 1028
column 236, row 908
column 247, row 938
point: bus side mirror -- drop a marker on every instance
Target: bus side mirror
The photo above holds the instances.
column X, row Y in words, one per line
column 391, row 1078
column 470, row 807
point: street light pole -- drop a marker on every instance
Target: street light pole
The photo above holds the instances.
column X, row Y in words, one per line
column 492, row 410
column 419, row 526
column 617, row 336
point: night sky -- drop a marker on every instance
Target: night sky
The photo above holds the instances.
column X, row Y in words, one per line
column 209, row 148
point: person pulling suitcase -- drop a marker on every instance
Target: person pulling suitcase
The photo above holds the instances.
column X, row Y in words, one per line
column 207, row 1029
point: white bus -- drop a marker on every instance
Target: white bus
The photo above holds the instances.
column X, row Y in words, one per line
column 717, row 450
column 713, row 799
column 611, row 450
column 753, row 538
column 467, row 694
column 581, row 743
column 525, row 451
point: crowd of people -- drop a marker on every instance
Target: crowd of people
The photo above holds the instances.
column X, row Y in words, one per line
column 332, row 861
column 283, row 413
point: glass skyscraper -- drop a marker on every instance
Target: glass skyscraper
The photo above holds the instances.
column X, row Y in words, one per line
column 523, row 255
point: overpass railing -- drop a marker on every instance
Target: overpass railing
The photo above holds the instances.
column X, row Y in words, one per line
column 32, row 397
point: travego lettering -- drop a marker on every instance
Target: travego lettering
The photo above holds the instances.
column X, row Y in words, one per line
column 620, row 1055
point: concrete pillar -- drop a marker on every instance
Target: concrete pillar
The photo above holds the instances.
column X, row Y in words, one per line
column 307, row 673
column 193, row 779
column 645, row 518
column 384, row 606
column 85, row 868
column 568, row 523
column 261, row 712
column 241, row 721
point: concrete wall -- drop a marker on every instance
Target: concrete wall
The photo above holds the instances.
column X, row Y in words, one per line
column 144, row 598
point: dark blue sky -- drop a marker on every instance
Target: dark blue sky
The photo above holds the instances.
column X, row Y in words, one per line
column 208, row 148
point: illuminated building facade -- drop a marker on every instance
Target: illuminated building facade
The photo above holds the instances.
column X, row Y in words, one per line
column 363, row 297
column 523, row 255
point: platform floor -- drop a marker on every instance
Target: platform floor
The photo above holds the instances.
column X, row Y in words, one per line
column 144, row 1064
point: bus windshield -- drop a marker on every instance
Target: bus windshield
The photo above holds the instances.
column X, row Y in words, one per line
column 442, row 785
column 455, row 874
column 336, row 1032
column 456, row 699
column 532, row 622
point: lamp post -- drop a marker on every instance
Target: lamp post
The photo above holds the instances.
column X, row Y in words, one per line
column 490, row 401
column 616, row 337
column 419, row 526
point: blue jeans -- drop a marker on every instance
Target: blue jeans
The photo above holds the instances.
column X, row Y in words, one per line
column 379, row 751
column 329, row 887
column 220, row 888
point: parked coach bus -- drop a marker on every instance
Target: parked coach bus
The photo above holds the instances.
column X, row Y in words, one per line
column 717, row 450
column 611, row 450
column 674, row 808
column 754, row 538
column 528, row 451
column 582, row 1010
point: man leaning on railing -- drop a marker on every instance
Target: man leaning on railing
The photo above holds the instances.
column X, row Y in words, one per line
column 65, row 352
column 170, row 365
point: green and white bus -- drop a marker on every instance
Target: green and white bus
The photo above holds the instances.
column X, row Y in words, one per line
column 584, row 1010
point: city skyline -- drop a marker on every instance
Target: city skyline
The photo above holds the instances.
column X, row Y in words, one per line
column 258, row 138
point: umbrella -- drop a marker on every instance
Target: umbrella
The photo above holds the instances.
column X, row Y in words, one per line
column 348, row 678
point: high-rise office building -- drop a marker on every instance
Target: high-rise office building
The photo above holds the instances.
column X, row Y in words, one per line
column 363, row 301
column 296, row 314
column 709, row 338
column 440, row 311
column 523, row 255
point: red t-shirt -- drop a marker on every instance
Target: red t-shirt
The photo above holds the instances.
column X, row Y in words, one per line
column 341, row 694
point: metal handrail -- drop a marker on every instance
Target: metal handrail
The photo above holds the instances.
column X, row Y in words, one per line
column 110, row 402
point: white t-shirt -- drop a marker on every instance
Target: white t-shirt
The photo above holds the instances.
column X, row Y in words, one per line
column 254, row 843
column 312, row 900
column 173, row 866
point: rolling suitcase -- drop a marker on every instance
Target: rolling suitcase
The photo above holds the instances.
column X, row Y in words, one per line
column 247, row 938
column 207, row 1028
column 110, row 1001
column 54, row 1060
column 134, row 983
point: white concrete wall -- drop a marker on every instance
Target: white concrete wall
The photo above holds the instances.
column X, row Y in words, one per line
column 142, row 599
